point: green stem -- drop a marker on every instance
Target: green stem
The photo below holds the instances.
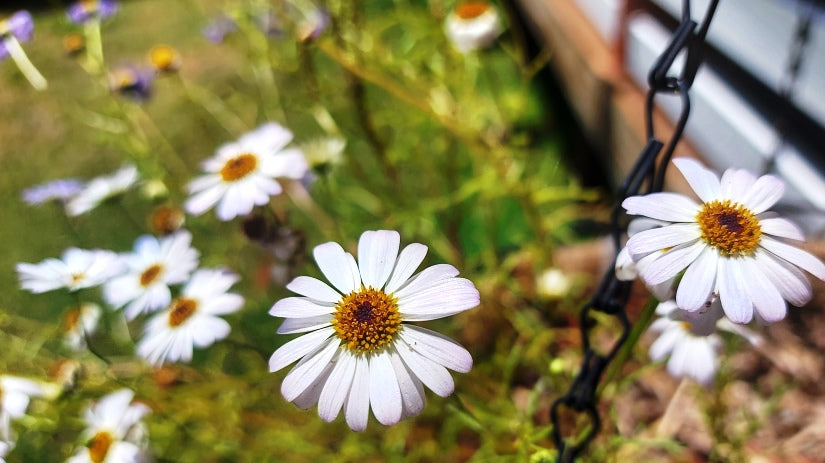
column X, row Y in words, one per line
column 23, row 63
column 94, row 46
column 639, row 328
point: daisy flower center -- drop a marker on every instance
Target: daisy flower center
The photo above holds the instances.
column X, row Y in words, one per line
column 471, row 10
column 162, row 57
column 99, row 446
column 181, row 310
column 150, row 275
column 730, row 227
column 77, row 277
column 239, row 167
column 367, row 320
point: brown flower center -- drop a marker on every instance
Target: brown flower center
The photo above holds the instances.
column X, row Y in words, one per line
column 367, row 320
column 99, row 446
column 239, row 167
column 166, row 220
column 72, row 317
column 471, row 10
column 729, row 227
column 182, row 308
column 150, row 275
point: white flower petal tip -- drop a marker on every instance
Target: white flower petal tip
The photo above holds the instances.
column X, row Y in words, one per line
column 341, row 364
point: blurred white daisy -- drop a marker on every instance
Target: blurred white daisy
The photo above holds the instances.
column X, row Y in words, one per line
column 553, row 283
column 728, row 244
column 628, row 270
column 358, row 354
column 152, row 267
column 5, row 448
column 114, row 431
column 77, row 269
column 192, row 319
column 242, row 174
column 60, row 190
column 102, row 188
column 81, row 322
column 15, row 393
column 472, row 25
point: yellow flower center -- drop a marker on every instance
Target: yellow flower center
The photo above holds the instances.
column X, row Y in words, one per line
column 239, row 167
column 181, row 309
column 73, row 43
column 367, row 320
column 166, row 220
column 150, row 275
column 471, row 10
column 163, row 57
column 77, row 277
column 99, row 446
column 729, row 227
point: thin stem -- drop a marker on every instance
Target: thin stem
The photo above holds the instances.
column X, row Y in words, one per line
column 639, row 328
column 202, row 97
column 94, row 46
column 23, row 63
column 86, row 337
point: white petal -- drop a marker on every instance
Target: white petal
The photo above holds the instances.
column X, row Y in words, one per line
column 377, row 253
column 789, row 280
column 796, row 256
column 385, row 395
column 337, row 387
column 357, row 408
column 694, row 358
column 433, row 375
column 314, row 288
column 657, row 239
column 671, row 263
column 625, row 268
column 663, row 206
column 412, row 391
column 208, row 330
column 698, row 282
column 426, row 279
column 663, row 345
column 310, row 396
column 764, row 193
column 447, row 298
column 778, row 226
column 301, row 325
column 298, row 347
column 333, row 262
column 299, row 307
column 408, row 261
column 308, row 370
column 203, row 201
column 437, row 347
column 703, row 181
column 766, row 299
column 732, row 292
column 736, row 184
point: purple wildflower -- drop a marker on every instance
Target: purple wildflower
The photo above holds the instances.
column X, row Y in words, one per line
column 20, row 26
column 84, row 10
column 132, row 81
column 217, row 30
column 60, row 190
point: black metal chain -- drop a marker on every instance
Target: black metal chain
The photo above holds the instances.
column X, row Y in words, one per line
column 612, row 294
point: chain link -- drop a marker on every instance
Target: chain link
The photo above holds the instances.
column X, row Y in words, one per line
column 611, row 296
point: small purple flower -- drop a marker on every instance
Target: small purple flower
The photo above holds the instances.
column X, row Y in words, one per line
column 20, row 26
column 268, row 23
column 217, row 30
column 132, row 81
column 84, row 10
column 60, row 190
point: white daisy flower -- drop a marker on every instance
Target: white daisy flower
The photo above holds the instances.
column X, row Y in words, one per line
column 628, row 270
column 357, row 353
column 242, row 174
column 192, row 319
column 689, row 339
column 5, row 448
column 152, row 267
column 15, row 393
column 472, row 25
column 112, row 424
column 81, row 322
column 728, row 244
column 77, row 269
column 102, row 188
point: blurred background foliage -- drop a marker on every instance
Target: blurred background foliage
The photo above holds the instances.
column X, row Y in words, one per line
column 464, row 153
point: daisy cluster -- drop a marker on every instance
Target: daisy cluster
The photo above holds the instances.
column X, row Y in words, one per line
column 719, row 262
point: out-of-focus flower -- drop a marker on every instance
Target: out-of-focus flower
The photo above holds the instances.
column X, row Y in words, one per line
column 74, row 43
column 192, row 320
column 113, row 431
column 628, row 270
column 85, row 10
column 18, row 26
column 5, row 448
column 15, row 393
column 217, row 30
column 132, row 81
column 242, row 174
column 61, row 190
column 313, row 24
column 689, row 339
column 267, row 22
column 164, row 58
column 357, row 353
column 472, row 25
column 151, row 268
column 729, row 245
column 322, row 154
column 553, row 284
column 166, row 220
column 79, row 323
column 102, row 188
column 77, row 269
